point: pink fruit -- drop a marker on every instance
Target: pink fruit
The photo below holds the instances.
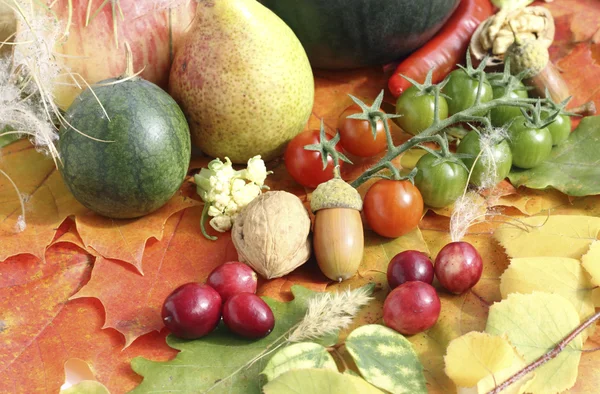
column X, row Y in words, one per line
column 407, row 266
column 232, row 278
column 247, row 315
column 411, row 308
column 458, row 267
column 192, row 310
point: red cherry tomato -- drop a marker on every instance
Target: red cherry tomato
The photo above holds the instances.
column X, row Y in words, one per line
column 393, row 208
column 356, row 135
column 306, row 166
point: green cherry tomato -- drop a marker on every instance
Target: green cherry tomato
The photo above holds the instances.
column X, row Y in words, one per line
column 440, row 185
column 462, row 91
column 529, row 146
column 492, row 166
column 560, row 128
column 504, row 114
column 417, row 110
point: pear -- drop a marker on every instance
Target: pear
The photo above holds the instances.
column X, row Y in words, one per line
column 243, row 81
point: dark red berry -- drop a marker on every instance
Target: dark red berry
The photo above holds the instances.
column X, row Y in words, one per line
column 232, row 278
column 407, row 266
column 246, row 314
column 458, row 267
column 192, row 310
column 411, row 308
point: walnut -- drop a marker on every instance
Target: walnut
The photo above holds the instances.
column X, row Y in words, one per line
column 497, row 33
column 271, row 234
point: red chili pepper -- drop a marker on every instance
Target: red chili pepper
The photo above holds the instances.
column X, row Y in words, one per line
column 445, row 49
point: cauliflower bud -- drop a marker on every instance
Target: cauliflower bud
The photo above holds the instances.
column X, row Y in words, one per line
column 226, row 192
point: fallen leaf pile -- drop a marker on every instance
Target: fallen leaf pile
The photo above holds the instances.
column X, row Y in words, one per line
column 74, row 285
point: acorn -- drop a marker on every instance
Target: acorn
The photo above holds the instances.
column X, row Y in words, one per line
column 531, row 57
column 338, row 237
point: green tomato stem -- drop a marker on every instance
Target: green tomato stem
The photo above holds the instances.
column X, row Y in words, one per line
column 431, row 134
column 203, row 220
column 388, row 134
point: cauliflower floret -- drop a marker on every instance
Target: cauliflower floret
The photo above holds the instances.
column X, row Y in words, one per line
column 256, row 171
column 246, row 194
column 221, row 223
column 226, row 191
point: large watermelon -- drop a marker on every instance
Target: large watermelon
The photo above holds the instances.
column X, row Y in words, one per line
column 143, row 155
column 356, row 33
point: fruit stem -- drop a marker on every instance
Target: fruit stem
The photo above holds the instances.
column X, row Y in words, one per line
column 587, row 109
column 548, row 356
column 327, row 148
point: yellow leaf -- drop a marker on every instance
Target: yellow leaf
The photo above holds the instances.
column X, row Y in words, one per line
column 559, row 236
column 86, row 387
column 591, row 262
column 477, row 362
column 556, row 275
column 473, row 356
column 411, row 157
column 488, row 383
column 532, row 202
column 535, row 323
column 596, row 297
column 380, row 250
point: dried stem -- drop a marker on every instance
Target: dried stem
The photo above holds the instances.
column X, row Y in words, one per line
column 587, row 109
column 548, row 356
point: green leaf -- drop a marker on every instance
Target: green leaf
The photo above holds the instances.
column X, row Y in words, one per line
column 318, row 381
column 303, row 355
column 534, row 324
column 386, row 359
column 86, row 387
column 216, row 358
column 572, row 168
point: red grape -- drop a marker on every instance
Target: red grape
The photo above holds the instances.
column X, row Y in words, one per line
column 192, row 310
column 411, row 308
column 458, row 267
column 246, row 314
column 232, row 278
column 407, row 266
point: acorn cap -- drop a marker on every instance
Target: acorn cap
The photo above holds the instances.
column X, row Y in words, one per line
column 335, row 193
column 528, row 55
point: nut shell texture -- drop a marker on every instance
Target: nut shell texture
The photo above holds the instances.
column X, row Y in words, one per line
column 271, row 234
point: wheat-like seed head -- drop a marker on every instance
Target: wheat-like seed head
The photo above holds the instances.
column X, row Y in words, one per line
column 329, row 312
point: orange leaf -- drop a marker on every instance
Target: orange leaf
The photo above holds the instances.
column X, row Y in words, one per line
column 32, row 295
column 133, row 302
column 579, row 68
column 307, row 275
column 48, row 201
column 40, row 329
column 126, row 239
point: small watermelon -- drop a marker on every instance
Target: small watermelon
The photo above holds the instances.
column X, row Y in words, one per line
column 132, row 162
